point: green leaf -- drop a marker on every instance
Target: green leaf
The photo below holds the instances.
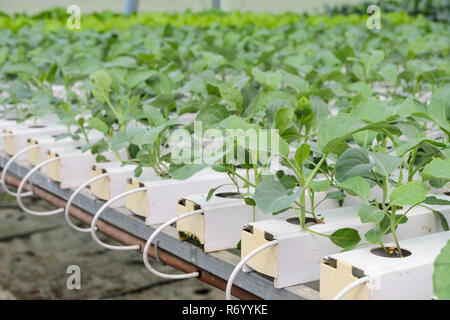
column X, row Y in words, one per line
column 264, row 99
column 389, row 73
column 65, row 106
column 335, row 195
column 99, row 125
column 409, row 194
column 212, row 114
column 335, row 130
column 358, row 71
column 119, row 141
column 26, row 68
column 161, row 84
column 405, row 109
column 375, row 57
column 439, row 108
column 370, row 214
column 441, row 280
column 385, row 164
column 121, row 62
column 185, row 171
column 351, row 163
column 320, row 185
column 140, row 136
column 400, row 219
column 374, row 235
column 358, row 186
column 3, row 54
column 289, row 181
column 268, row 79
column 249, row 201
column 345, row 237
column 102, row 83
column 411, row 144
column 438, row 168
column 442, row 219
column 154, row 116
column 231, row 95
column 436, row 201
column 295, row 82
column 137, row 77
column 320, row 109
column 271, row 196
column 212, row 191
column 302, row 154
column 283, row 118
column 369, row 111
column 360, row 87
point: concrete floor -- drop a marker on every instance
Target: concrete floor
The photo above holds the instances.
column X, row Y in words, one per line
column 36, row 251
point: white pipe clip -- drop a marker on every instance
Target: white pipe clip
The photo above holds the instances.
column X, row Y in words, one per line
column 6, row 168
column 242, row 263
column 72, row 197
column 350, row 287
column 100, row 211
column 153, row 236
column 22, row 184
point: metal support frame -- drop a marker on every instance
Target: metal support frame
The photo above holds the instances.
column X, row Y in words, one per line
column 131, row 6
column 215, row 268
column 217, row 4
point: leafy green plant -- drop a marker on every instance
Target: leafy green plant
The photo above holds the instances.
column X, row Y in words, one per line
column 353, row 109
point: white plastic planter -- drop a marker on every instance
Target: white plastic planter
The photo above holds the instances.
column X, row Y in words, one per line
column 382, row 277
column 72, row 167
column 107, row 182
column 297, row 256
column 114, row 183
column 159, row 202
column 36, row 156
column 7, row 125
column 17, row 137
column 219, row 225
column 45, row 143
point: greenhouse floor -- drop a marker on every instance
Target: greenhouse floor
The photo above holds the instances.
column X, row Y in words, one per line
column 36, row 251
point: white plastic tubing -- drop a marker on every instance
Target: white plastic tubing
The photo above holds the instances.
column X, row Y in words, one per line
column 22, row 184
column 242, row 263
column 153, row 236
column 73, row 196
column 93, row 228
column 6, row 168
column 350, row 287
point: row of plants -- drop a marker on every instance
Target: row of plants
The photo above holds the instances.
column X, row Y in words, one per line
column 353, row 109
column 57, row 18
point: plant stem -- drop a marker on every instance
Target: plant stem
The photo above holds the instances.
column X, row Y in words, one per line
column 311, row 176
column 384, row 248
column 411, row 164
column 318, row 233
column 394, row 235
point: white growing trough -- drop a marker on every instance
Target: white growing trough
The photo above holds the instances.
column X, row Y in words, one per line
column 381, row 277
column 297, row 256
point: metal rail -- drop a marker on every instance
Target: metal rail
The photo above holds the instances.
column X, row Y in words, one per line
column 215, row 268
